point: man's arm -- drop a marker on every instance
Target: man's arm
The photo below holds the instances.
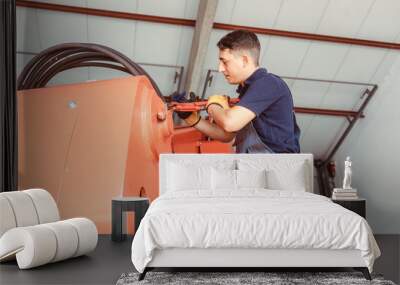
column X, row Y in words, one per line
column 214, row 131
column 231, row 120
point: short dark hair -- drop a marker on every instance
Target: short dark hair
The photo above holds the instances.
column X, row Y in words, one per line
column 241, row 40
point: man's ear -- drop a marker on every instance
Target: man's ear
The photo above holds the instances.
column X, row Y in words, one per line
column 246, row 59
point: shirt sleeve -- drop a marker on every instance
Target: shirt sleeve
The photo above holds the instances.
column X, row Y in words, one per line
column 259, row 96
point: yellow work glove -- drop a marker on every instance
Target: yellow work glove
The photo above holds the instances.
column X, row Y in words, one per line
column 193, row 119
column 220, row 100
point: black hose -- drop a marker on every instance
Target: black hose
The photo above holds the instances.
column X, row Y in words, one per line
column 44, row 66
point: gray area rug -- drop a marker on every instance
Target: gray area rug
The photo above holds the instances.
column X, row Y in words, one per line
column 229, row 278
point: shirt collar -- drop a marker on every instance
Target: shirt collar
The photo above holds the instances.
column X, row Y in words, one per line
column 258, row 73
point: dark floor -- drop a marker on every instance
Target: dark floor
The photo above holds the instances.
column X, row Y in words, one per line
column 389, row 262
column 102, row 266
column 110, row 260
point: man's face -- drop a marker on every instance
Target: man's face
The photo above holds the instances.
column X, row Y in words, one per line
column 232, row 64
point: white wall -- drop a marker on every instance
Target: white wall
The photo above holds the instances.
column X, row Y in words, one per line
column 374, row 147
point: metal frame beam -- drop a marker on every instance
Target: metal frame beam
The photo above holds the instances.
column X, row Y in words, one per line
column 201, row 37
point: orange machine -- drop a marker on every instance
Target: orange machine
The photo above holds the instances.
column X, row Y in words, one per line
column 88, row 142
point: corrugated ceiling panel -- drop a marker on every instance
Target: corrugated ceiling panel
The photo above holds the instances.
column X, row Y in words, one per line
column 357, row 64
column 361, row 64
column 382, row 71
column 343, row 17
column 211, row 61
column 220, row 86
column 164, row 77
column 387, row 62
column 321, row 135
column 308, row 93
column 344, row 97
column 383, row 21
column 323, row 60
column 256, row 13
column 191, row 9
column 301, row 15
column 302, row 121
column 330, row 61
column 58, row 27
column 376, row 110
column 170, row 8
column 115, row 33
column 161, row 47
column 289, row 82
column 27, row 30
column 224, row 11
column 264, row 43
column 185, row 44
column 114, row 5
column 186, row 36
column 284, row 56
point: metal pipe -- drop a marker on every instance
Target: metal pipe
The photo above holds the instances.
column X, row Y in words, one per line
column 191, row 23
column 318, row 80
column 328, row 112
column 315, row 111
column 352, row 123
column 181, row 70
column 106, row 13
column 200, row 105
column 328, row 81
column 208, row 78
column 312, row 37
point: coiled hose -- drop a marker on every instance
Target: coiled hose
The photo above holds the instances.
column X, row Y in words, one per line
column 44, row 66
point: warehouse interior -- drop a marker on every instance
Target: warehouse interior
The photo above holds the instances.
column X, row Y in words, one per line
column 340, row 60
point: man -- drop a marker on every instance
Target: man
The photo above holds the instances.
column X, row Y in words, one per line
column 263, row 121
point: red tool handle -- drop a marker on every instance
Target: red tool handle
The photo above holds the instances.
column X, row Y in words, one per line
column 194, row 106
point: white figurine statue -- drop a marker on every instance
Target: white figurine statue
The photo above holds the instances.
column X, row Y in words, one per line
column 347, row 174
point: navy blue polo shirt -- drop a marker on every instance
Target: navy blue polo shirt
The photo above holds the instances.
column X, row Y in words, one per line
column 268, row 96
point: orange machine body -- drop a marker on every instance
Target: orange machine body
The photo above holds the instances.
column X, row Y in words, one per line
column 86, row 143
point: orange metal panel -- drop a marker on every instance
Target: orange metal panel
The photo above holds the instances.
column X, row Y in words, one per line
column 108, row 145
column 188, row 147
column 150, row 134
column 215, row 147
column 86, row 143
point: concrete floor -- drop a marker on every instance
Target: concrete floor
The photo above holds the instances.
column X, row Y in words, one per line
column 102, row 266
column 110, row 260
column 389, row 262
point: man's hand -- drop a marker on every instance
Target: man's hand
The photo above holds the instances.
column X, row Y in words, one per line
column 191, row 118
column 220, row 100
